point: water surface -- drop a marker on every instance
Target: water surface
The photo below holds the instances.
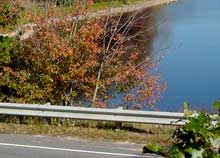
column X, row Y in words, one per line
column 188, row 32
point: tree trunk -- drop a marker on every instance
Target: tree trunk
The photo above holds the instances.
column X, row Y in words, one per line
column 97, row 83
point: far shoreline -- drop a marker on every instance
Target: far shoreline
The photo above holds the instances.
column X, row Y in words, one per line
column 28, row 29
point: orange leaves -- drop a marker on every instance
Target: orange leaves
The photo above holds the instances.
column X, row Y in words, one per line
column 67, row 61
column 69, row 51
column 63, row 59
column 119, row 38
column 7, row 69
column 90, row 37
column 134, row 56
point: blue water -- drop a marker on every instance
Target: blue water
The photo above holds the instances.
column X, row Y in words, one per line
column 188, row 32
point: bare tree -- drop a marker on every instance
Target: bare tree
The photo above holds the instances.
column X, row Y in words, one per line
column 123, row 25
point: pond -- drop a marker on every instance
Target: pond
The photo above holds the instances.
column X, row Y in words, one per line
column 188, row 35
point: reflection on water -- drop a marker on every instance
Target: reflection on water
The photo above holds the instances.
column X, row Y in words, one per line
column 191, row 63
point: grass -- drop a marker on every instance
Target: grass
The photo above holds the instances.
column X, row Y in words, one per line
column 104, row 5
column 94, row 130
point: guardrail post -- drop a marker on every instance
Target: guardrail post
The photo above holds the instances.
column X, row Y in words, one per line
column 118, row 124
column 48, row 119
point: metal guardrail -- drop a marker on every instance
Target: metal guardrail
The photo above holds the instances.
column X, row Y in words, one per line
column 117, row 115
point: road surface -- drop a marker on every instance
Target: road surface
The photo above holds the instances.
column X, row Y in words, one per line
column 24, row 146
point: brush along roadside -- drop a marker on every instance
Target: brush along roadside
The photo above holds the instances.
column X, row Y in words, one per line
column 95, row 130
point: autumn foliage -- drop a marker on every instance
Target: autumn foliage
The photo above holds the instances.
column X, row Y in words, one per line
column 9, row 12
column 76, row 62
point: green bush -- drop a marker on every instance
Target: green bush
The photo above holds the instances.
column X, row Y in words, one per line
column 198, row 138
column 9, row 59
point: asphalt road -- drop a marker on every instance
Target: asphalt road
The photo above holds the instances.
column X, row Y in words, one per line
column 24, row 146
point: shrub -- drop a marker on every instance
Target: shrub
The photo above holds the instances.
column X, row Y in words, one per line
column 9, row 12
column 10, row 58
column 198, row 138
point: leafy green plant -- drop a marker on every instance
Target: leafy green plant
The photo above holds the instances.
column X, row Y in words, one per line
column 9, row 59
column 154, row 148
column 198, row 138
column 216, row 105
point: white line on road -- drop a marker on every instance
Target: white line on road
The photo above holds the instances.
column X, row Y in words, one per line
column 73, row 150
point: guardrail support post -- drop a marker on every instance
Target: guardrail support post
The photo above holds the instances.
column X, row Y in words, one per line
column 118, row 124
